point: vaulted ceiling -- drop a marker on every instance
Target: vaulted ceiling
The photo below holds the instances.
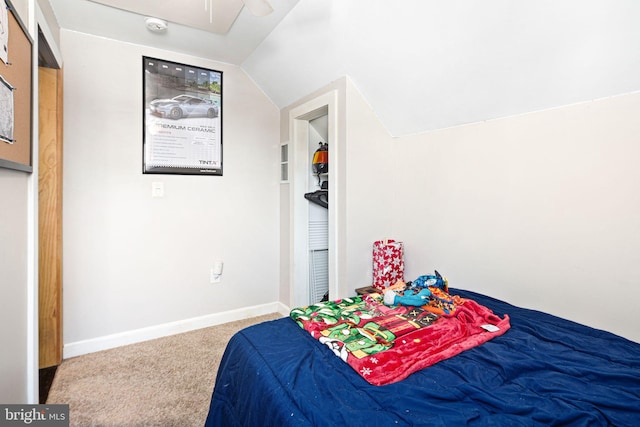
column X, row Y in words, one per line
column 421, row 64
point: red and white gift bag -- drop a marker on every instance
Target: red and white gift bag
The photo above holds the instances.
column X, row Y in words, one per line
column 388, row 263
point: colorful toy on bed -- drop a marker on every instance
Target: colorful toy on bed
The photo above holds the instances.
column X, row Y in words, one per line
column 407, row 298
column 436, row 280
column 427, row 291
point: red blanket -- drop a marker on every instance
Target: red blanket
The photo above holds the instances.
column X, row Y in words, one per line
column 387, row 344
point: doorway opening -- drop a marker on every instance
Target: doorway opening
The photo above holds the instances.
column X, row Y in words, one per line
column 313, row 253
column 318, row 195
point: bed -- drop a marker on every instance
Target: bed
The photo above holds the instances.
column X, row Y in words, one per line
column 543, row 370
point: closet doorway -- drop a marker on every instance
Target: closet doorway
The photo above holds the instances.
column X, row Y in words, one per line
column 313, row 256
column 317, row 195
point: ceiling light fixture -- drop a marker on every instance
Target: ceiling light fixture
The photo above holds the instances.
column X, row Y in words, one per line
column 156, row 25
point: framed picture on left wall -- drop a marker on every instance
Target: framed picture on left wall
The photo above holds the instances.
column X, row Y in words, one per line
column 182, row 119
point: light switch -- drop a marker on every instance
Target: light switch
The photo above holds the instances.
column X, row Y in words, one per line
column 157, row 189
column 217, row 267
column 216, row 272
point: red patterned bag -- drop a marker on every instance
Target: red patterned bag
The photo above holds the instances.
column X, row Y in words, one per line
column 388, row 263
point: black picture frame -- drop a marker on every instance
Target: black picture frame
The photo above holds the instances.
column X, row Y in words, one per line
column 182, row 118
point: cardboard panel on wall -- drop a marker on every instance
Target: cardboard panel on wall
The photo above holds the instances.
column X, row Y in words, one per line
column 15, row 151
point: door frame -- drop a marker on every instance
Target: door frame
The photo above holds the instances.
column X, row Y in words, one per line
column 300, row 172
column 50, row 217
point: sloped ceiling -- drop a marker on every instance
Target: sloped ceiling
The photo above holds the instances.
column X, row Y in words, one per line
column 421, row 64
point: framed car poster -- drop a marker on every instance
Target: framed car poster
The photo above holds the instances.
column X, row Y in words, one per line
column 182, row 119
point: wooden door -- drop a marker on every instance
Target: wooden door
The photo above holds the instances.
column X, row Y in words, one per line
column 50, row 216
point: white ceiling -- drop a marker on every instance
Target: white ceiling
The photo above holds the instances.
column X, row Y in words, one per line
column 246, row 33
column 421, row 64
column 216, row 16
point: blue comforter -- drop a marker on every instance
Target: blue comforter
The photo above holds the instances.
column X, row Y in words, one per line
column 544, row 371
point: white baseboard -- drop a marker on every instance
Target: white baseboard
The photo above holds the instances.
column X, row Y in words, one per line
column 92, row 345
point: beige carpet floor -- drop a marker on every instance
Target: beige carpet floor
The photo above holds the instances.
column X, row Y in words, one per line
column 165, row 382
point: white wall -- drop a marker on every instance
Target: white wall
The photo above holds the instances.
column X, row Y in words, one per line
column 19, row 256
column 132, row 261
column 369, row 191
column 539, row 209
column 13, row 286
